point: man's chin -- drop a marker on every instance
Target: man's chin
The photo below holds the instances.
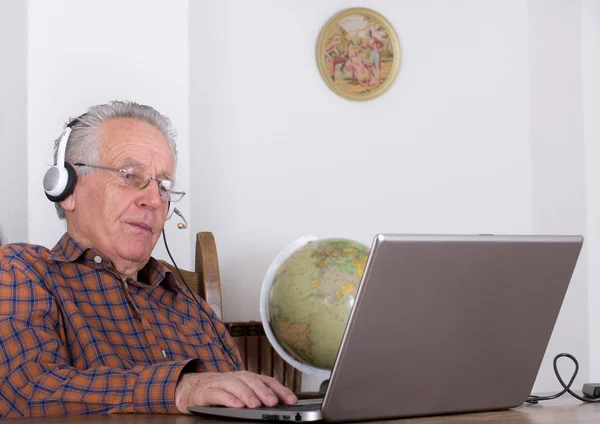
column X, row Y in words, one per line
column 137, row 252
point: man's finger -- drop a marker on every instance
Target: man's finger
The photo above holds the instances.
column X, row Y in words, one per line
column 219, row 397
column 282, row 392
column 240, row 387
column 269, row 390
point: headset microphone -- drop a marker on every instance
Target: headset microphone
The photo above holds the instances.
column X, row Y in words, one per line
column 181, row 225
column 59, row 181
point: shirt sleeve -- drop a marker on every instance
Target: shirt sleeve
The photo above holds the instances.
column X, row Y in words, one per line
column 35, row 375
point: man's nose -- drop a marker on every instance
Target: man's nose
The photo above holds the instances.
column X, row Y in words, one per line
column 150, row 196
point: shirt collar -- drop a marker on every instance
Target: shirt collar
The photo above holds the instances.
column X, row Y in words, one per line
column 154, row 273
column 69, row 250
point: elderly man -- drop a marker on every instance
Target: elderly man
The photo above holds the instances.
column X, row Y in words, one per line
column 96, row 325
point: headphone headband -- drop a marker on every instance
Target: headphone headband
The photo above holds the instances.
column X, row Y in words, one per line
column 59, row 181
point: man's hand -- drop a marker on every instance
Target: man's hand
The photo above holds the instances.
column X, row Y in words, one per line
column 233, row 389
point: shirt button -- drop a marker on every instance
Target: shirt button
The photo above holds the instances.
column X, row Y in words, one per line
column 97, row 259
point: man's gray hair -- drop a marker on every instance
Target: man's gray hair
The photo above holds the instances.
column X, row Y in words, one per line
column 84, row 142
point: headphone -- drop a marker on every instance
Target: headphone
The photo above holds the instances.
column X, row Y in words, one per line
column 59, row 181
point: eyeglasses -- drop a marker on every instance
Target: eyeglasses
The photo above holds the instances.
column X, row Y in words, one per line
column 166, row 188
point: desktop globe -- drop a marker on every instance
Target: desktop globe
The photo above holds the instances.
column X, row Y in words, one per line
column 306, row 299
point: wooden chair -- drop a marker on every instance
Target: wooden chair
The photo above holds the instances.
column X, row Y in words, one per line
column 256, row 351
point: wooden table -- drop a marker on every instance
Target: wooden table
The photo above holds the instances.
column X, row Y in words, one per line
column 565, row 410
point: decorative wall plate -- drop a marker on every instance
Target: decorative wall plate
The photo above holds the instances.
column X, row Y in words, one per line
column 358, row 54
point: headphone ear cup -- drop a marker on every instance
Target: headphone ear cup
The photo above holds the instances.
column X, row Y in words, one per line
column 62, row 182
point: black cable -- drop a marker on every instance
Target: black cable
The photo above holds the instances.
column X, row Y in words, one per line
column 176, row 267
column 566, row 387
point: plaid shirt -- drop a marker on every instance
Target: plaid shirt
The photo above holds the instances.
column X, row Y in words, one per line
column 75, row 337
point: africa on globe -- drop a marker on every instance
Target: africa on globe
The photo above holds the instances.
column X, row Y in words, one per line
column 307, row 297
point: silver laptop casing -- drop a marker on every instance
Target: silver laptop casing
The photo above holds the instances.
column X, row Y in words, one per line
column 447, row 324
column 443, row 324
column 309, row 410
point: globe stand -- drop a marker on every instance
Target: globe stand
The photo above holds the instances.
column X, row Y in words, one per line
column 323, row 386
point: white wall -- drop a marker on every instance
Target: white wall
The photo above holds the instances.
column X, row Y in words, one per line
column 558, row 162
column 13, row 120
column 85, row 53
column 446, row 150
column 590, row 55
column 481, row 132
column 279, row 155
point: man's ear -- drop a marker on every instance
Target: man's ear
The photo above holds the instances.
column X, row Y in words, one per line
column 69, row 203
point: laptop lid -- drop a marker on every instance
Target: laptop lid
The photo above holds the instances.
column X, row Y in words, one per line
column 442, row 324
column 447, row 324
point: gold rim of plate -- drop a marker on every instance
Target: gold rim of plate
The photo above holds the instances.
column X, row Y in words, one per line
column 323, row 68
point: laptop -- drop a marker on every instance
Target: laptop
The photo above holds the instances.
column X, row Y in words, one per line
column 441, row 324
